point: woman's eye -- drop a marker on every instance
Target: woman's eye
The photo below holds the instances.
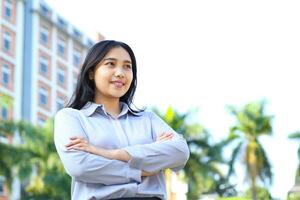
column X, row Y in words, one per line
column 128, row 66
column 110, row 63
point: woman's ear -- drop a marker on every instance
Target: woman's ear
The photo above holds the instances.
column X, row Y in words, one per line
column 91, row 75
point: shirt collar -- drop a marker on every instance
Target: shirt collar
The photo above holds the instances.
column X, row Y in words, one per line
column 90, row 108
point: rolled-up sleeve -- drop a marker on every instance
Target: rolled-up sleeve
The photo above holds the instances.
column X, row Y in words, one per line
column 156, row 156
column 83, row 166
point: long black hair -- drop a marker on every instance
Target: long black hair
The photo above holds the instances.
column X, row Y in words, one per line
column 85, row 88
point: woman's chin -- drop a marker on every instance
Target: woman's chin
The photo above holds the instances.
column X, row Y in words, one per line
column 117, row 95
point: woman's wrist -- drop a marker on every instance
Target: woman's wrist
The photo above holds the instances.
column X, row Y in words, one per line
column 106, row 153
column 122, row 155
column 113, row 154
column 95, row 150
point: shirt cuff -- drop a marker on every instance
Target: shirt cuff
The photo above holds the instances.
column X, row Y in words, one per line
column 134, row 174
column 136, row 157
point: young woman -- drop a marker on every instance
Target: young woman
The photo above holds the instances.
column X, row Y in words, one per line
column 110, row 150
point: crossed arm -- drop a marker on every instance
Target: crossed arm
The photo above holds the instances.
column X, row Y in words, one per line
column 81, row 144
column 120, row 165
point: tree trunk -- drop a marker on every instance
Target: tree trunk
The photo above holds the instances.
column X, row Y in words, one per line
column 253, row 189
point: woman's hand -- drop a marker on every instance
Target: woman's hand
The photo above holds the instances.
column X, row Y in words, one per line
column 78, row 143
column 164, row 137
column 144, row 173
column 160, row 138
column 82, row 144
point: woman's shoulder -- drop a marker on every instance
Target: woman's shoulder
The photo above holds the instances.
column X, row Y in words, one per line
column 147, row 113
column 67, row 112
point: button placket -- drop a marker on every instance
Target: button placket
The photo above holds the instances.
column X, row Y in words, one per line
column 123, row 139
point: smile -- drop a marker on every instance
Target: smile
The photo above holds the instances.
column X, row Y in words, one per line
column 118, row 84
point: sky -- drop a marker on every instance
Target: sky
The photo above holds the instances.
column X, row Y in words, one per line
column 209, row 54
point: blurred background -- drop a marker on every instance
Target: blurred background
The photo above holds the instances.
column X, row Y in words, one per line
column 224, row 74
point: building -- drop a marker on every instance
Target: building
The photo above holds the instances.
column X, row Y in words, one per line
column 40, row 57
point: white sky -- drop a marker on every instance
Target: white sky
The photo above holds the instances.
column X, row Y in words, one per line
column 209, row 54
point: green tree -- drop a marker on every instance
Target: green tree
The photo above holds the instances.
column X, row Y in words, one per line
column 262, row 193
column 296, row 136
column 34, row 161
column 6, row 134
column 48, row 179
column 252, row 122
column 8, row 154
column 202, row 169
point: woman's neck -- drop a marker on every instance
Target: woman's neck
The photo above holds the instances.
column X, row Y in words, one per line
column 111, row 105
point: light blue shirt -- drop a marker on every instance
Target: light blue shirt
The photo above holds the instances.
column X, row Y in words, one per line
column 95, row 177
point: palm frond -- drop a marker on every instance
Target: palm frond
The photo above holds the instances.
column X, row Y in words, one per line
column 295, row 135
column 234, row 156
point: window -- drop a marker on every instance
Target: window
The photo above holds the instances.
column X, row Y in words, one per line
column 77, row 34
column 59, row 103
column 62, row 23
column 8, row 9
column 43, row 95
column 6, row 41
column 61, row 76
column 4, row 114
column 5, row 74
column 44, row 35
column 44, row 10
column 43, row 65
column 76, row 58
column 41, row 121
column 61, row 45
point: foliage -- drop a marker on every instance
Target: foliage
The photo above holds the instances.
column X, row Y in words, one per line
column 252, row 123
column 233, row 198
column 262, row 193
column 203, row 167
column 34, row 160
column 296, row 136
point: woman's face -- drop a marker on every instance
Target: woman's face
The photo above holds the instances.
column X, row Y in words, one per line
column 113, row 75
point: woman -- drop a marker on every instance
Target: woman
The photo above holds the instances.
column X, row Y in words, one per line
column 110, row 150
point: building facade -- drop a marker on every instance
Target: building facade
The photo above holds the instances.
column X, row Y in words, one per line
column 40, row 58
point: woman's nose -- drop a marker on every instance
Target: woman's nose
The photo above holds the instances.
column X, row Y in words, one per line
column 119, row 72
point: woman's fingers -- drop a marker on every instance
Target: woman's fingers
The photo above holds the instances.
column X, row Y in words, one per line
column 145, row 173
column 164, row 136
column 76, row 140
column 79, row 146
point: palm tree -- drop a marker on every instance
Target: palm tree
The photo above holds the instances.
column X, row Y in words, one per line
column 202, row 169
column 6, row 152
column 6, row 134
column 34, row 161
column 47, row 177
column 296, row 136
column 252, row 122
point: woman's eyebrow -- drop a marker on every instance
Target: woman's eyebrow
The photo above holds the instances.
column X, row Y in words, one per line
column 114, row 59
column 127, row 61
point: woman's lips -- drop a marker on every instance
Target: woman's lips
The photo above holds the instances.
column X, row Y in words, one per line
column 118, row 84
